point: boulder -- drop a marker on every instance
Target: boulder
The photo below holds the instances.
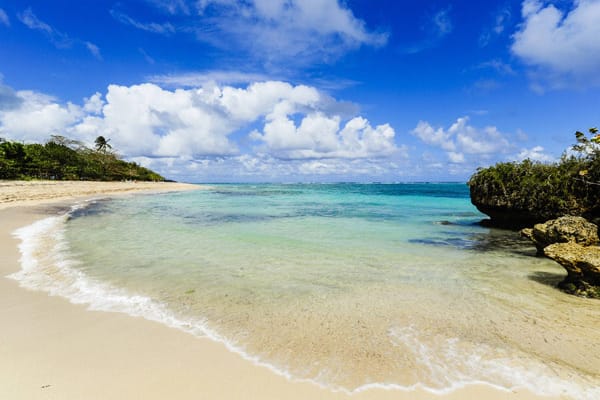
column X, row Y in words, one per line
column 583, row 267
column 567, row 229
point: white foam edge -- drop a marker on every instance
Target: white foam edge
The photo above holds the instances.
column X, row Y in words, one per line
column 82, row 289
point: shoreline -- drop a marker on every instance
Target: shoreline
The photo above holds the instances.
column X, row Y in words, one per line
column 37, row 192
column 51, row 348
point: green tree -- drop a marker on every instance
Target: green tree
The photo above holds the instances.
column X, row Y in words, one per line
column 102, row 144
column 63, row 158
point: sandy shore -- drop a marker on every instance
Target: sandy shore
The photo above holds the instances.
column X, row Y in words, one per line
column 38, row 192
column 52, row 349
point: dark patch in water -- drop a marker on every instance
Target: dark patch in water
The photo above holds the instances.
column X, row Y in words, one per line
column 498, row 239
column 547, row 278
column 97, row 207
column 444, row 223
column 492, row 240
column 455, row 242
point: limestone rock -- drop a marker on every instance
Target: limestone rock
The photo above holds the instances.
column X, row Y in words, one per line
column 582, row 265
column 566, row 229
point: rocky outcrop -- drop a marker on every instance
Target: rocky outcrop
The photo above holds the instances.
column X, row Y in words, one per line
column 508, row 206
column 567, row 229
column 504, row 211
column 582, row 265
column 571, row 242
column 518, row 195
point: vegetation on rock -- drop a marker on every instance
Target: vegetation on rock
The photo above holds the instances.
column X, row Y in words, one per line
column 519, row 194
column 64, row 159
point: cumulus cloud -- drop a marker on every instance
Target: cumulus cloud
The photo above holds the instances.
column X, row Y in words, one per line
column 4, row 20
column 562, row 46
column 462, row 139
column 536, row 153
column 320, row 136
column 435, row 137
column 8, row 97
column 36, row 117
column 185, row 130
column 456, row 158
column 196, row 79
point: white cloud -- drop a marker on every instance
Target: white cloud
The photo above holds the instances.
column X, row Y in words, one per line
column 59, row 39
column 461, row 138
column 456, row 158
column 189, row 131
column 497, row 65
column 320, row 136
column 94, row 50
column 148, row 59
column 37, row 117
column 4, row 20
column 196, row 79
column 501, row 19
column 8, row 97
column 442, row 22
column 154, row 27
column 172, row 6
column 93, row 104
column 304, row 31
column 435, row 137
column 535, row 154
column 562, row 45
column 436, row 28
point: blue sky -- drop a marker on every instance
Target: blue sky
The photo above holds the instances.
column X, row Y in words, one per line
column 304, row 90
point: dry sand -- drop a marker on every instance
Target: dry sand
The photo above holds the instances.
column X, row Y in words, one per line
column 36, row 192
column 52, row 349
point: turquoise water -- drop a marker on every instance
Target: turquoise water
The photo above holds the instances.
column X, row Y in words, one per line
column 346, row 285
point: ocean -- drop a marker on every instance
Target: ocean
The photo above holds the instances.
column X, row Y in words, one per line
column 350, row 286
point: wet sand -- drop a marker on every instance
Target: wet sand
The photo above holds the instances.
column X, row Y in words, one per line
column 53, row 349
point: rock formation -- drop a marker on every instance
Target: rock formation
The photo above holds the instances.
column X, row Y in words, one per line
column 505, row 209
column 562, row 230
column 582, row 265
column 571, row 242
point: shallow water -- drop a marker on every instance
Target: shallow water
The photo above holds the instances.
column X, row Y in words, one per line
column 346, row 285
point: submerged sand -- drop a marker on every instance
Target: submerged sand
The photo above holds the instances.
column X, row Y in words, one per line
column 52, row 349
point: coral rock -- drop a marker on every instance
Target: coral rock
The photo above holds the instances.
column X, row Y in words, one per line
column 582, row 265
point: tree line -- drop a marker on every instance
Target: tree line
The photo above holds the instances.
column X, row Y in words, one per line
column 61, row 158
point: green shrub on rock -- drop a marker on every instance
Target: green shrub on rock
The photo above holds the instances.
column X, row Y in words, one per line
column 519, row 194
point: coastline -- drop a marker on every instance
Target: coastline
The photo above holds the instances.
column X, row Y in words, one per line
column 51, row 348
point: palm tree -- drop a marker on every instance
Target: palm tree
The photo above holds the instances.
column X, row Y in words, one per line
column 102, row 144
